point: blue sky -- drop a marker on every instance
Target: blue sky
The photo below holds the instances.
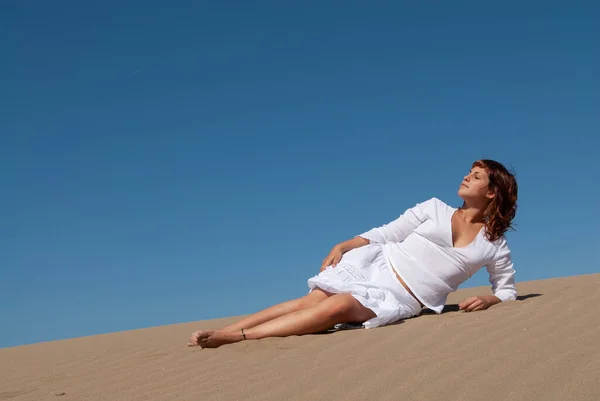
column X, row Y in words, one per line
column 164, row 163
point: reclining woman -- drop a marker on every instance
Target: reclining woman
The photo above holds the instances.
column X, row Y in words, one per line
column 392, row 272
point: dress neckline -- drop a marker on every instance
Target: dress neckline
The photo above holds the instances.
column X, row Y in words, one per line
column 452, row 231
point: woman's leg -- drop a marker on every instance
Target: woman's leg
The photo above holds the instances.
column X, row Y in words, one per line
column 338, row 308
column 307, row 301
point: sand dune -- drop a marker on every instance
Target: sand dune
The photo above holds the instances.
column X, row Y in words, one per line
column 545, row 346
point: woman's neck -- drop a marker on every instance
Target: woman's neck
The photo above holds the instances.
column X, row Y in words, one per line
column 471, row 214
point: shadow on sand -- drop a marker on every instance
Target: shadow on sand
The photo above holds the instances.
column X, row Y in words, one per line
column 447, row 308
column 455, row 308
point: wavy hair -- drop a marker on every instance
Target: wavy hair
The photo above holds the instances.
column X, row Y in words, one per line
column 502, row 209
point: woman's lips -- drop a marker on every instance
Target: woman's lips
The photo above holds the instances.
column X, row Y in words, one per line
column 464, row 185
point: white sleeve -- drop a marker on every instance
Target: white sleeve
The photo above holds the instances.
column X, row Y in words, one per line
column 402, row 227
column 502, row 274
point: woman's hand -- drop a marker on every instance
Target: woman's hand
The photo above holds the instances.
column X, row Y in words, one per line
column 333, row 258
column 481, row 302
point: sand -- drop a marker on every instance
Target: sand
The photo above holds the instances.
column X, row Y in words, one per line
column 545, row 346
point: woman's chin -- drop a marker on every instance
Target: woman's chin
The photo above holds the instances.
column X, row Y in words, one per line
column 463, row 193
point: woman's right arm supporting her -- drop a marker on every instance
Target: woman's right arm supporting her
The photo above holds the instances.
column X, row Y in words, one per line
column 336, row 253
column 502, row 273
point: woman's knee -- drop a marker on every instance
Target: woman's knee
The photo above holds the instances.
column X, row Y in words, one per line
column 347, row 308
column 340, row 306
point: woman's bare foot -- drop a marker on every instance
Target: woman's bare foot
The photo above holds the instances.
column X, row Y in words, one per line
column 216, row 338
column 197, row 336
column 213, row 338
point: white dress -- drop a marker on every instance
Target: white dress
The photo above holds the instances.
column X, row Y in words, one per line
column 365, row 273
column 418, row 247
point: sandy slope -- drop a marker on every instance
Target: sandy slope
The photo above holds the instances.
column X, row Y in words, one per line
column 546, row 346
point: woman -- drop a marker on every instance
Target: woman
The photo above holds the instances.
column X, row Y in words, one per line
column 392, row 272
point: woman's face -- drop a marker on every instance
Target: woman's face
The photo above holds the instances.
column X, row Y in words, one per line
column 475, row 185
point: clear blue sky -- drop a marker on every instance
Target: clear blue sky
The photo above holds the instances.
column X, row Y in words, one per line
column 171, row 162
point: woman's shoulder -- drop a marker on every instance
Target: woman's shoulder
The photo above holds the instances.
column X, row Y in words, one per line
column 435, row 203
column 435, row 208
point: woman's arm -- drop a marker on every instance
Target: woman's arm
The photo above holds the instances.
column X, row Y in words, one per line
column 336, row 253
column 403, row 226
column 502, row 278
column 353, row 243
column 396, row 231
column 502, row 274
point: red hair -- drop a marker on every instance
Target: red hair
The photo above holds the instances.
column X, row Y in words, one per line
column 502, row 208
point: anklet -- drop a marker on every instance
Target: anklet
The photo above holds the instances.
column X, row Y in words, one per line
column 243, row 335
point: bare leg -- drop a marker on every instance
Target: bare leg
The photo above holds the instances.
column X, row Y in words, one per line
column 273, row 312
column 307, row 301
column 338, row 308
